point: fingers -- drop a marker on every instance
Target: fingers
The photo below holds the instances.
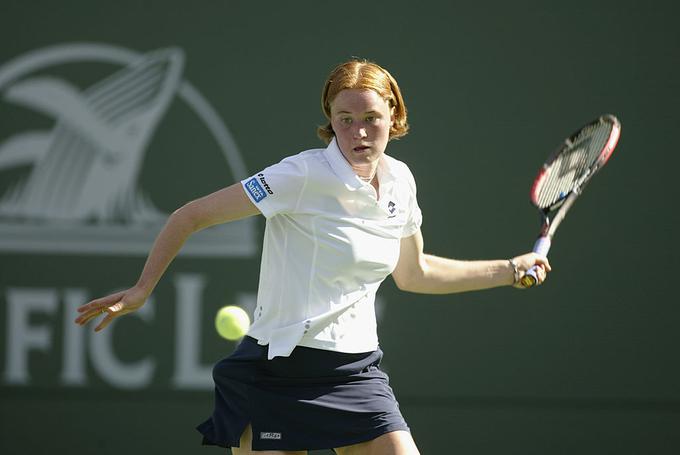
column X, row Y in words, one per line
column 101, row 302
column 110, row 305
column 543, row 261
column 85, row 318
column 106, row 321
column 541, row 273
column 542, row 269
column 526, row 263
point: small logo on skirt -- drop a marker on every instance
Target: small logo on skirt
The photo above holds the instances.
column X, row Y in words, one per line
column 269, row 435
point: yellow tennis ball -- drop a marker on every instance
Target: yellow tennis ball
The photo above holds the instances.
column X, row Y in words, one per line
column 232, row 322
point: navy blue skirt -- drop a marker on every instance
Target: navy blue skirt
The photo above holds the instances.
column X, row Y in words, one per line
column 312, row 400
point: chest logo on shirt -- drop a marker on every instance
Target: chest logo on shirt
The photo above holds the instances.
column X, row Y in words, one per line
column 392, row 208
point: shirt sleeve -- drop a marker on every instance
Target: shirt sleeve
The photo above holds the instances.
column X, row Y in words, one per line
column 277, row 188
column 415, row 216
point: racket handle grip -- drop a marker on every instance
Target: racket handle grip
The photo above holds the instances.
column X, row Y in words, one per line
column 542, row 246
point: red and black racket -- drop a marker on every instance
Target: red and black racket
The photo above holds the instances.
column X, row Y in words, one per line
column 564, row 175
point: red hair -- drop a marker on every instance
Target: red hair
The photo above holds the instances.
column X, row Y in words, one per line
column 362, row 74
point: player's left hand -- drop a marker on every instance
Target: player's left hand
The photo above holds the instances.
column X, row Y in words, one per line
column 527, row 261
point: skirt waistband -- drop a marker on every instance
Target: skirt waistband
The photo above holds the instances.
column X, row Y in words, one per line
column 305, row 362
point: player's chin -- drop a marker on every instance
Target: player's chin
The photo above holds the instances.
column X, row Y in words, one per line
column 361, row 150
column 366, row 154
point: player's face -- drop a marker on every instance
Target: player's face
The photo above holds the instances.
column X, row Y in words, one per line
column 361, row 120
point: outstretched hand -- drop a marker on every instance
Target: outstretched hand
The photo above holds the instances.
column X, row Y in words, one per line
column 112, row 306
column 526, row 262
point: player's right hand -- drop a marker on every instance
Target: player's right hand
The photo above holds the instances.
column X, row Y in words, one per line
column 112, row 306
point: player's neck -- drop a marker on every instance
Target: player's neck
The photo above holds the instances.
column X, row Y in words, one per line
column 369, row 174
column 366, row 171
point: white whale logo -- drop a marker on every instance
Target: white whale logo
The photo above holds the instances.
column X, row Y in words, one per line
column 81, row 194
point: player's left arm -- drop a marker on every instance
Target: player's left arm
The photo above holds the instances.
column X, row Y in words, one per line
column 429, row 274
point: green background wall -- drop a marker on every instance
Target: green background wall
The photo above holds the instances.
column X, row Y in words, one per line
column 586, row 364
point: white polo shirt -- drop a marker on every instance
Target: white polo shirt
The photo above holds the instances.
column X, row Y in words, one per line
column 329, row 242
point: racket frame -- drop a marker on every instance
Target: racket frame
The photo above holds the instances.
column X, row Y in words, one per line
column 560, row 208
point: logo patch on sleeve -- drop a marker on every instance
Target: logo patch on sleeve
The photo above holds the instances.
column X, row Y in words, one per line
column 255, row 189
column 264, row 183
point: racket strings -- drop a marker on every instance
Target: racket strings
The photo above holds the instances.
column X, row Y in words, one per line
column 572, row 165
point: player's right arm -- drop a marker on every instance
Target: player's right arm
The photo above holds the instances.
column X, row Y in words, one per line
column 223, row 206
column 424, row 273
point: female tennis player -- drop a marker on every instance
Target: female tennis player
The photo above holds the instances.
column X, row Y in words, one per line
column 339, row 219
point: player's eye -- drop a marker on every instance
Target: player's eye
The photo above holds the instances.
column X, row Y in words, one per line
column 346, row 120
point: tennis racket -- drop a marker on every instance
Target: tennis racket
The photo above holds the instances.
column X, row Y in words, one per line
column 565, row 173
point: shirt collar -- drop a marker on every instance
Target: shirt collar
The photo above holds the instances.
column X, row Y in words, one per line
column 343, row 169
